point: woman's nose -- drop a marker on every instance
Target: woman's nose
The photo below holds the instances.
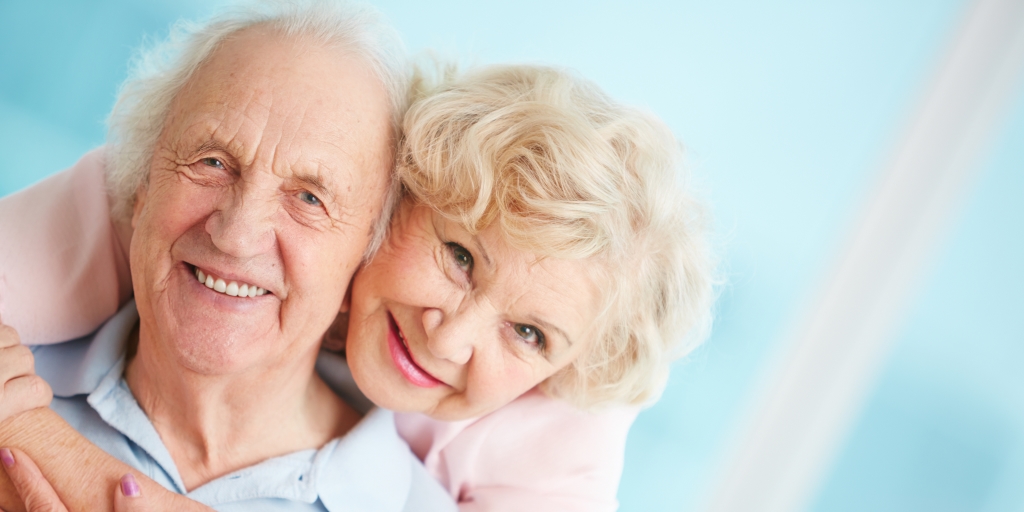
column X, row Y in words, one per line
column 241, row 226
column 450, row 336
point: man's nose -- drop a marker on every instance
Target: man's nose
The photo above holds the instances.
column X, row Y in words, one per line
column 453, row 335
column 242, row 225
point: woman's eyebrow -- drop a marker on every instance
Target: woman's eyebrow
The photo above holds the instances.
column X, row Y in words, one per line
column 480, row 249
column 551, row 327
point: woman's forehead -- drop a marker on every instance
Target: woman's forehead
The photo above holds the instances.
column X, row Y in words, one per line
column 545, row 286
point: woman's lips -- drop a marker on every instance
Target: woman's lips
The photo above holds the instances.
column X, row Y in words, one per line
column 403, row 359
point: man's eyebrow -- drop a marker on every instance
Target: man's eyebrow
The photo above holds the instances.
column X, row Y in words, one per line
column 317, row 183
column 211, row 145
column 551, row 327
column 214, row 145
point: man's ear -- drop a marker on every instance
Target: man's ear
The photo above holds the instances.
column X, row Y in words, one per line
column 337, row 333
column 140, row 202
column 346, row 303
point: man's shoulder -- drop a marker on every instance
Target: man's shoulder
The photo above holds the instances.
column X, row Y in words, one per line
column 372, row 468
column 77, row 366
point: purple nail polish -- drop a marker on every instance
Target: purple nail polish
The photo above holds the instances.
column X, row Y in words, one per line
column 7, row 457
column 129, row 487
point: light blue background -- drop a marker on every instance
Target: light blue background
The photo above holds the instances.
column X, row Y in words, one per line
column 788, row 110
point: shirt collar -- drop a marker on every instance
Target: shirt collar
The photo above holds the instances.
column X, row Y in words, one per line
column 370, row 468
column 78, row 366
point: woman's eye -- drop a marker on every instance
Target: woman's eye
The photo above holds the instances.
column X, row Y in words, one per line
column 530, row 334
column 463, row 258
column 309, row 199
column 213, row 162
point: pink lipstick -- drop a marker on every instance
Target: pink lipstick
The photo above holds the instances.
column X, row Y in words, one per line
column 404, row 361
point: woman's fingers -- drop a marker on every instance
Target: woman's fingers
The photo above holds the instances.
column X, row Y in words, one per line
column 35, row 492
column 15, row 361
column 22, row 394
column 128, row 496
column 8, row 336
column 20, row 388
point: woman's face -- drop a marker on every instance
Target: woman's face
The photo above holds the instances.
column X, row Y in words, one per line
column 455, row 325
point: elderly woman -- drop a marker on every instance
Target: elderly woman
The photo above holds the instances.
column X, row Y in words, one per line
column 543, row 242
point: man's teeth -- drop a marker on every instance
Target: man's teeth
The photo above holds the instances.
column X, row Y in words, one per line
column 231, row 288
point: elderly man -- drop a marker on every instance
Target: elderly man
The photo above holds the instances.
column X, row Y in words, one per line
column 253, row 196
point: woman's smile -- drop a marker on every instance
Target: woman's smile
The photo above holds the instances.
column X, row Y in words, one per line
column 403, row 359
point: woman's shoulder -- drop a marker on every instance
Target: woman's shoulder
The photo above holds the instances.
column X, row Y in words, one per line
column 534, row 450
column 550, row 425
column 62, row 271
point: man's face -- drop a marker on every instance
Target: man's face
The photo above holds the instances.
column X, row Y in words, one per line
column 267, row 177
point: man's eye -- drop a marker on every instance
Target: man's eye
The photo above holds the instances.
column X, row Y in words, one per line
column 213, row 162
column 530, row 334
column 309, row 199
column 463, row 258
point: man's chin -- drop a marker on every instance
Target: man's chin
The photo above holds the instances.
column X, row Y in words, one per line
column 220, row 347
column 223, row 357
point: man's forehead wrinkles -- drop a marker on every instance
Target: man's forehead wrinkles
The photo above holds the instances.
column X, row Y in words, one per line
column 255, row 120
column 233, row 141
column 331, row 134
column 207, row 134
column 343, row 160
column 254, row 113
column 227, row 128
column 300, row 118
column 244, row 96
column 303, row 135
column 240, row 113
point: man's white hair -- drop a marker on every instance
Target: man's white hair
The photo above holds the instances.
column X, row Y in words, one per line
column 158, row 73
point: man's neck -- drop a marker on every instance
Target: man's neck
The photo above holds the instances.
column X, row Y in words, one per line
column 215, row 425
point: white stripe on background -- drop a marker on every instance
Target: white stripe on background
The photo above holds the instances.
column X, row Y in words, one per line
column 809, row 400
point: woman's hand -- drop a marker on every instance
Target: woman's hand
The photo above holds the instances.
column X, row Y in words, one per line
column 39, row 496
column 20, row 388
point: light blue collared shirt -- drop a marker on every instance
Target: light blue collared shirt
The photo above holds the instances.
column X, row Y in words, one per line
column 369, row 469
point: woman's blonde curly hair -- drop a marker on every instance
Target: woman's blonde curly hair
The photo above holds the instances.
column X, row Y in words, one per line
column 566, row 172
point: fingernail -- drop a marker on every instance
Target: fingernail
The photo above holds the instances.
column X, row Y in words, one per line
column 129, row 487
column 7, row 457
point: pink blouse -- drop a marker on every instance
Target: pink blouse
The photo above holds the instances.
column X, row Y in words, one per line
column 534, row 454
column 63, row 272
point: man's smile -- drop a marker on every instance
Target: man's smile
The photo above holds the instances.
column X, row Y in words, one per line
column 228, row 287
